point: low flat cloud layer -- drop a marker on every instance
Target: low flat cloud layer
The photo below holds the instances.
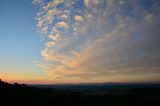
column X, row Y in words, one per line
column 94, row 39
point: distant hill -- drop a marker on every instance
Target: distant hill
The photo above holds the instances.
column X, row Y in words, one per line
column 88, row 95
column 93, row 86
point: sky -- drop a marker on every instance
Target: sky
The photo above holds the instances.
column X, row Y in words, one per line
column 79, row 41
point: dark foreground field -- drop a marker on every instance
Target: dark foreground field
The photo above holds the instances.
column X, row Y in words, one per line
column 80, row 95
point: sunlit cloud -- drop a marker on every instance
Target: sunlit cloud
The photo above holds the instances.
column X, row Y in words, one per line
column 78, row 18
column 62, row 24
column 99, row 38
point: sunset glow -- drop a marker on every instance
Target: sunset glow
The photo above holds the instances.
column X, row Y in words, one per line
column 80, row 41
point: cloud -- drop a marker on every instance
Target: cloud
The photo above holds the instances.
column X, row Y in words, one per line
column 53, row 37
column 38, row 2
column 64, row 16
column 100, row 38
column 78, row 18
column 62, row 24
column 88, row 3
column 50, row 44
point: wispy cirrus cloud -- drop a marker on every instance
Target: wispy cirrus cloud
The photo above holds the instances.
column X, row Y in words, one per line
column 93, row 39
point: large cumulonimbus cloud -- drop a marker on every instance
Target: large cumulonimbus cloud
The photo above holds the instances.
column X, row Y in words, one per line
column 92, row 39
